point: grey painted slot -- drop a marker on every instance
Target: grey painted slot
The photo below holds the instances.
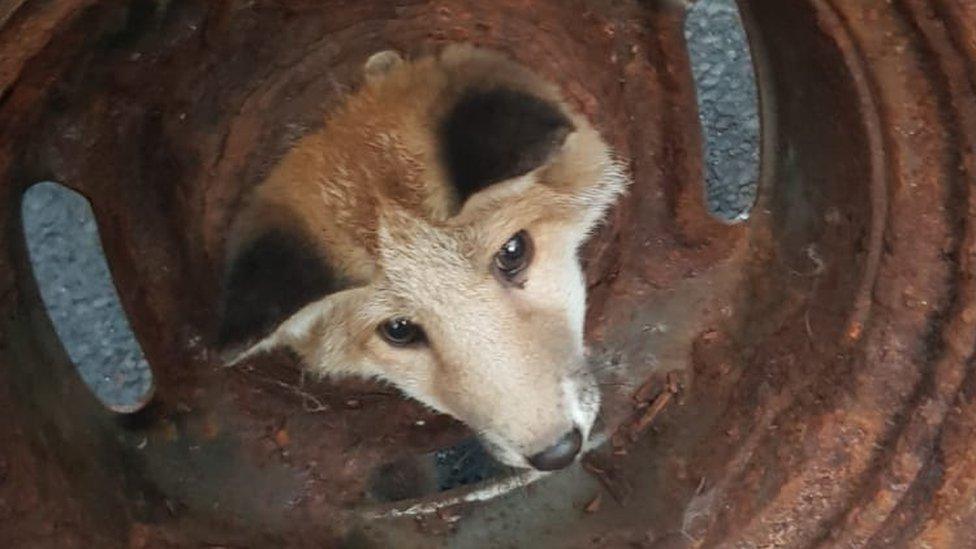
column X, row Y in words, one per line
column 728, row 106
column 79, row 295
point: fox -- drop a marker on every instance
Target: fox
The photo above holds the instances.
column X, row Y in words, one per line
column 428, row 236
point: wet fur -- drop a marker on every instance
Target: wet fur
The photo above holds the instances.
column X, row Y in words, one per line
column 396, row 208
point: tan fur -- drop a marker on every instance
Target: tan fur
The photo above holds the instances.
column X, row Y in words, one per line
column 371, row 193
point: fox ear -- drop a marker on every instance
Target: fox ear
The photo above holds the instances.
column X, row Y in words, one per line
column 269, row 279
column 493, row 135
column 321, row 334
column 381, row 64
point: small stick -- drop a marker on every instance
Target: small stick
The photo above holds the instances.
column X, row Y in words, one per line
column 672, row 383
column 643, row 394
column 648, row 416
column 594, row 504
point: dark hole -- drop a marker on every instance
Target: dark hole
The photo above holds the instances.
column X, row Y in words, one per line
column 463, row 464
column 467, row 462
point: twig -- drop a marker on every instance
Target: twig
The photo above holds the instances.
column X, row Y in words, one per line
column 307, row 398
column 648, row 416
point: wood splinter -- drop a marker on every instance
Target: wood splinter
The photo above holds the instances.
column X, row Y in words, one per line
column 645, row 420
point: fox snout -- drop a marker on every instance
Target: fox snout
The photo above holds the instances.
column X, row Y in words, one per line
column 560, row 454
column 525, row 429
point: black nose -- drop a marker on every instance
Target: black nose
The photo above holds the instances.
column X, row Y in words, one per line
column 560, row 454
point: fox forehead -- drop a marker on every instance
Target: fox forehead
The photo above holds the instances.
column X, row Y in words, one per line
column 418, row 140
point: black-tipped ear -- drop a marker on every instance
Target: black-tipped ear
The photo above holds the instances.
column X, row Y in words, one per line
column 490, row 136
column 270, row 279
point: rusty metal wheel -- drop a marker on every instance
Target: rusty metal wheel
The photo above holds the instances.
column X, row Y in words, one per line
column 821, row 389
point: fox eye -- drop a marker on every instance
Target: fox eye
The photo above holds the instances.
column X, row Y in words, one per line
column 512, row 259
column 401, row 332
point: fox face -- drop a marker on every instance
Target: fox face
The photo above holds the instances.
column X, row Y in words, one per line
column 428, row 236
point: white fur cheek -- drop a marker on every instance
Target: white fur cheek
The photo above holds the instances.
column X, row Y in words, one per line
column 411, row 377
column 582, row 406
column 571, row 291
column 576, row 298
column 556, row 281
column 424, row 397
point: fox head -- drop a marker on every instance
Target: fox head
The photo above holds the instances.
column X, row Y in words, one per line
column 428, row 236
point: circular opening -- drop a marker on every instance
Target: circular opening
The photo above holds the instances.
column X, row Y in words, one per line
column 801, row 397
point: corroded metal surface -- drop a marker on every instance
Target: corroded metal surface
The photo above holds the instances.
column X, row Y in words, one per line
column 821, row 354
